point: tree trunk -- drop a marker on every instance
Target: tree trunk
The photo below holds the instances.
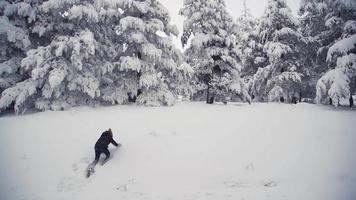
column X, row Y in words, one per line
column 207, row 94
column 351, row 101
column 210, row 97
column 281, row 99
column 300, row 97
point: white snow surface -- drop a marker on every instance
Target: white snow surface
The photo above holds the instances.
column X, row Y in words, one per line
column 189, row 151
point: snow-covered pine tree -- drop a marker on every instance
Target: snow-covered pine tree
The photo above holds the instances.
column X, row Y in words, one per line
column 336, row 84
column 151, row 66
column 94, row 52
column 66, row 66
column 311, row 16
column 281, row 78
column 16, row 18
column 311, row 13
column 212, row 52
column 247, row 43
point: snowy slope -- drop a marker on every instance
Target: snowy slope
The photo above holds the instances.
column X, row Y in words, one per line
column 189, row 151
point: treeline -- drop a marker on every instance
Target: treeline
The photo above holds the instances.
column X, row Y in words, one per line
column 277, row 57
column 60, row 54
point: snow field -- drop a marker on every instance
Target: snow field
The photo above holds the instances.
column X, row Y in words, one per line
column 189, row 151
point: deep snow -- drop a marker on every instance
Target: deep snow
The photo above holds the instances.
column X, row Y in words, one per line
column 189, row 151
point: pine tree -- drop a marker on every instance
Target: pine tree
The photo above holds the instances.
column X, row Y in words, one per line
column 83, row 57
column 311, row 15
column 281, row 78
column 15, row 29
column 61, row 66
column 150, row 62
column 212, row 52
column 336, row 84
column 247, row 42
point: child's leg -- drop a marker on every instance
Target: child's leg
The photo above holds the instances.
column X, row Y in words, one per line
column 107, row 154
column 97, row 156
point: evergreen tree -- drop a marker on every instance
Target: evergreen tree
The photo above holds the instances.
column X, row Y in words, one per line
column 311, row 15
column 16, row 22
column 247, row 42
column 336, row 83
column 62, row 68
column 281, row 78
column 150, row 62
column 84, row 57
column 212, row 52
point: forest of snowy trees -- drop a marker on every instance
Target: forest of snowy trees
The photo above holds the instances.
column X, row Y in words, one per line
column 60, row 54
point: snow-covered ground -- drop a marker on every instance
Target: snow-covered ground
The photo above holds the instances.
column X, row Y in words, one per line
column 191, row 151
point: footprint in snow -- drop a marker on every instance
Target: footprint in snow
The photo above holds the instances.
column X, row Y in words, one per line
column 209, row 194
column 122, row 188
column 132, row 181
column 70, row 183
column 270, row 184
column 62, row 185
column 67, row 184
column 85, row 160
column 154, row 134
column 75, row 167
column 250, row 167
column 233, row 184
column 244, row 184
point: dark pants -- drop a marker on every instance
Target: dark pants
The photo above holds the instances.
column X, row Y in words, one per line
column 98, row 152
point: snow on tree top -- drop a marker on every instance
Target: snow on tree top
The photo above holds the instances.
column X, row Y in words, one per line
column 333, row 21
column 275, row 50
column 78, row 11
column 56, row 4
column 347, row 61
column 21, row 9
column 350, row 27
column 276, row 10
column 287, row 32
column 349, row 3
column 343, row 47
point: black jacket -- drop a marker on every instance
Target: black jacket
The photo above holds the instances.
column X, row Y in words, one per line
column 104, row 141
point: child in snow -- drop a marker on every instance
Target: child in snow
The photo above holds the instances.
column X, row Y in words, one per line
column 101, row 146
